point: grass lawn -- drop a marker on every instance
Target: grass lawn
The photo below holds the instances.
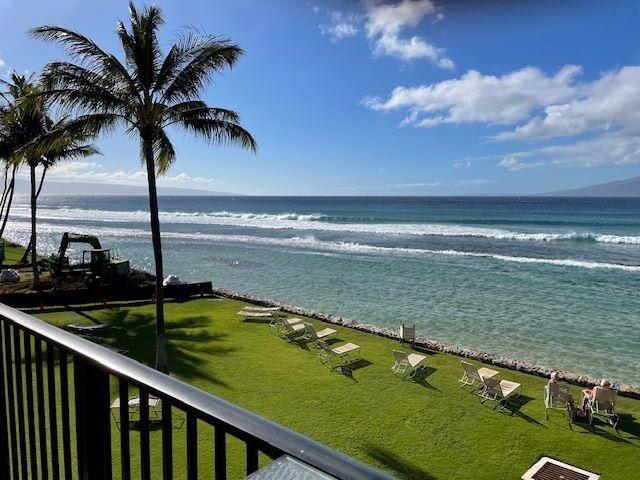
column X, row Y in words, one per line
column 430, row 428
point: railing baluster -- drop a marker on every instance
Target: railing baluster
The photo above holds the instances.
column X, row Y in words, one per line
column 93, row 424
column 192, row 446
column 28, row 370
column 145, row 457
column 10, row 397
column 64, row 414
column 42, row 422
column 252, row 457
column 220, row 452
column 125, row 452
column 4, row 431
column 53, row 417
column 93, row 367
column 167, row 440
column 22, row 433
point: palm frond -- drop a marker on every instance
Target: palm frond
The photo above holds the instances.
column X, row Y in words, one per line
column 210, row 58
column 73, row 87
column 163, row 150
column 86, row 52
column 173, row 115
column 220, row 132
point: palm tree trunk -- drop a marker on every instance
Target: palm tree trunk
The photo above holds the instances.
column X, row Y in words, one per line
column 34, row 259
column 25, row 257
column 44, row 172
column 12, row 186
column 5, row 190
column 162, row 360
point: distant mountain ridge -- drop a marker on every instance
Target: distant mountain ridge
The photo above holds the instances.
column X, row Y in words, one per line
column 88, row 188
column 619, row 188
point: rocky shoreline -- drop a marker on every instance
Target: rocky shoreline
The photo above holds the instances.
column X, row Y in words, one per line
column 624, row 389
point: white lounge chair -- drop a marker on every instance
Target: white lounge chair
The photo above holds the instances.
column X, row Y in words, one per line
column 603, row 403
column 253, row 308
column 499, row 390
column 314, row 336
column 343, row 355
column 291, row 331
column 276, row 323
column 251, row 315
column 407, row 362
column 556, row 396
column 408, row 333
column 473, row 376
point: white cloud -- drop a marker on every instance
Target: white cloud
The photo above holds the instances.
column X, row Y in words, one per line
column 604, row 111
column 478, row 98
column 95, row 173
column 384, row 24
column 341, row 25
column 1, row 63
column 416, row 185
column 608, row 103
column 606, row 149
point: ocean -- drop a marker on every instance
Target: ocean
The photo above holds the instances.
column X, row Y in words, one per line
column 552, row 281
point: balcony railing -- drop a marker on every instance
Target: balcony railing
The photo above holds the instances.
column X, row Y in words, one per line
column 55, row 416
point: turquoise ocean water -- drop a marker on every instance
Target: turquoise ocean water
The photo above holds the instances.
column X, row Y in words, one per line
column 554, row 281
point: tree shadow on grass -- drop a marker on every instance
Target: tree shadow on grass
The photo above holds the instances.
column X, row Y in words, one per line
column 187, row 340
column 397, row 465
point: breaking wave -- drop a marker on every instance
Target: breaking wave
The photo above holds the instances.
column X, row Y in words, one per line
column 319, row 222
column 20, row 231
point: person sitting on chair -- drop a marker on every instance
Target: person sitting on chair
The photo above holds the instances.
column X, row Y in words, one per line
column 588, row 394
column 553, row 380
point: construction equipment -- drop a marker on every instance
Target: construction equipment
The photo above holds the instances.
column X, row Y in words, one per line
column 97, row 262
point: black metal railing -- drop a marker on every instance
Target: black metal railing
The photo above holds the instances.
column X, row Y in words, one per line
column 56, row 419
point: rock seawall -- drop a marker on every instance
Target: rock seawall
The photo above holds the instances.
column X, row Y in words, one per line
column 624, row 389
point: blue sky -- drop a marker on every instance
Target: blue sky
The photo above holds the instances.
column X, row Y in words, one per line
column 387, row 98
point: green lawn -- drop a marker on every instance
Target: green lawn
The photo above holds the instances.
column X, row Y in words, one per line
column 424, row 429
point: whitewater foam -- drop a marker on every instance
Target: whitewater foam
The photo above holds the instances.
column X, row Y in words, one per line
column 315, row 222
column 19, row 230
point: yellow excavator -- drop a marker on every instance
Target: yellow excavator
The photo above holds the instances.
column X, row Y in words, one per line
column 97, row 262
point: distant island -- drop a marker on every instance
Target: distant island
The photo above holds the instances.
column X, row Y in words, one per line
column 88, row 188
column 620, row 188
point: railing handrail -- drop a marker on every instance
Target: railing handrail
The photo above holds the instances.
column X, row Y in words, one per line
column 206, row 405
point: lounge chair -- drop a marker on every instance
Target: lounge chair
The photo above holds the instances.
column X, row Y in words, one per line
column 292, row 331
column 252, row 308
column 154, row 404
column 603, row 403
column 556, row 396
column 343, row 355
column 314, row 336
column 408, row 333
column 276, row 323
column 473, row 376
column 251, row 315
column 499, row 390
column 407, row 362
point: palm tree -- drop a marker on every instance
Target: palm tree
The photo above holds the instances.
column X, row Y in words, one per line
column 146, row 93
column 36, row 140
column 6, row 150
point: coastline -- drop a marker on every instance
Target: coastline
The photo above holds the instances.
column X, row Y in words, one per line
column 624, row 389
